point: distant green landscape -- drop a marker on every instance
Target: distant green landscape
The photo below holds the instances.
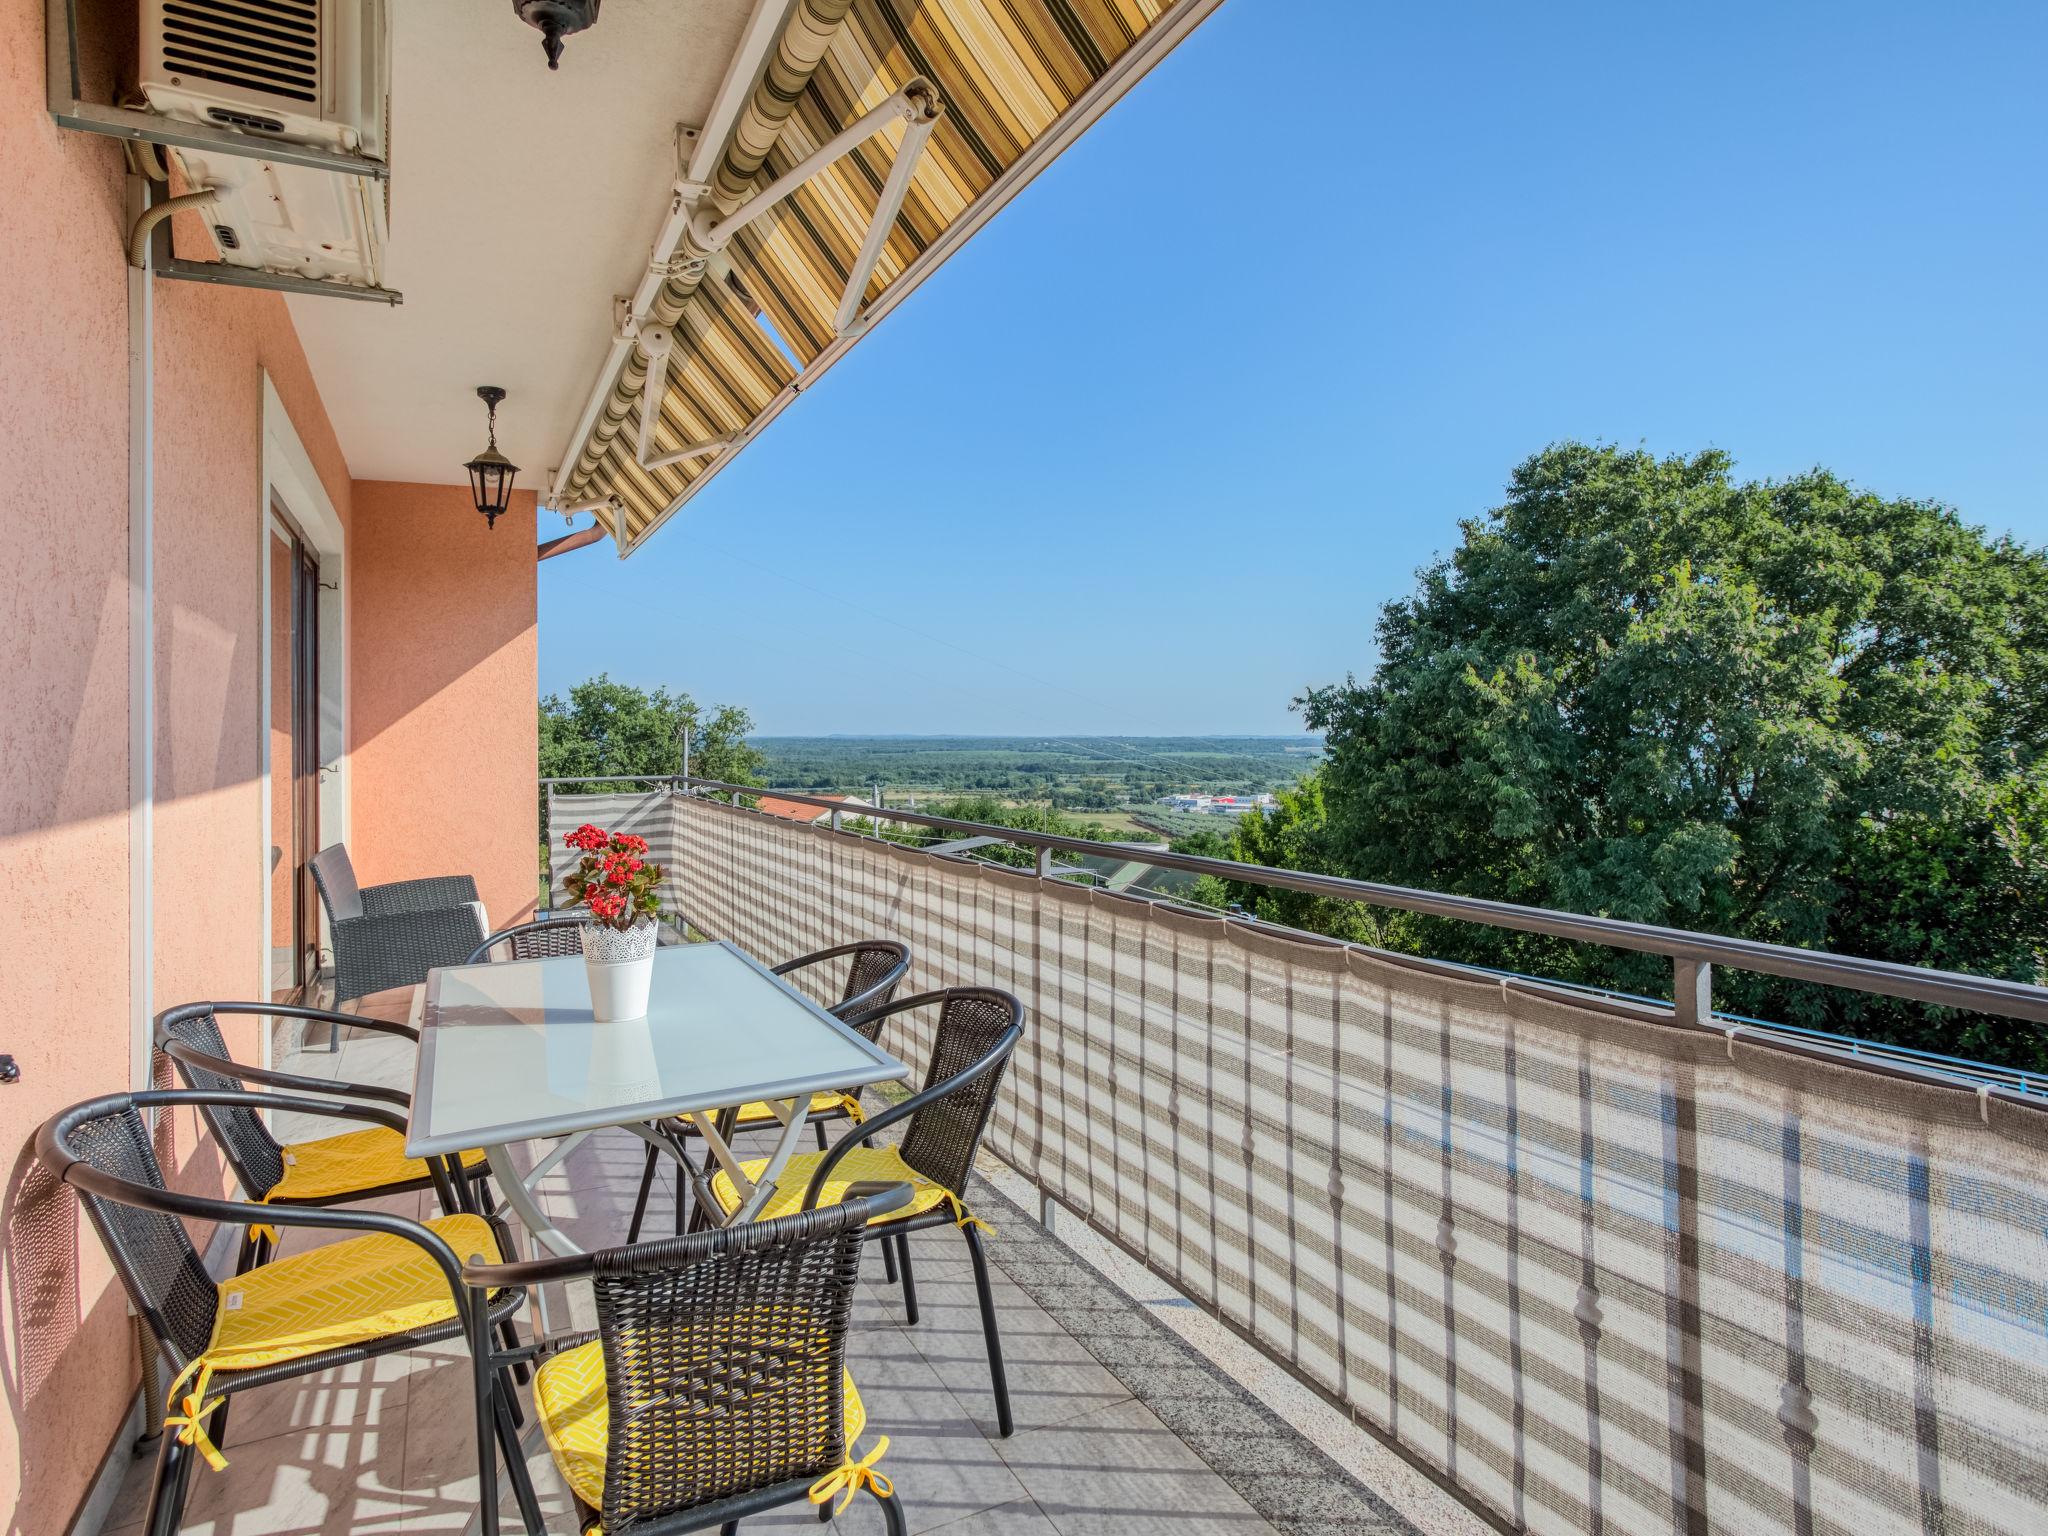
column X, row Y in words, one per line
column 1084, row 773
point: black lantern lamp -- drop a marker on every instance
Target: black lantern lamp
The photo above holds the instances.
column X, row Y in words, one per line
column 490, row 472
column 556, row 19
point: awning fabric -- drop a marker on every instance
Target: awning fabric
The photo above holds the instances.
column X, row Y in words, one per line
column 1010, row 74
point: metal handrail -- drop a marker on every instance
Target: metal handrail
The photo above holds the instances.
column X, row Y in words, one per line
column 1684, row 947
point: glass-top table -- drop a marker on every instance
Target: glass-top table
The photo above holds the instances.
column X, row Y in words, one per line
column 509, row 1053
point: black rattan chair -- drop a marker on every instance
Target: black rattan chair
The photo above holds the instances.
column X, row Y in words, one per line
column 287, row 1319
column 391, row 935
column 875, row 968
column 979, row 1028
column 337, row 1170
column 541, row 939
column 547, row 937
column 715, row 1386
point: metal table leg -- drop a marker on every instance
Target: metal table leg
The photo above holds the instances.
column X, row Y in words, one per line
column 520, row 1197
column 755, row 1193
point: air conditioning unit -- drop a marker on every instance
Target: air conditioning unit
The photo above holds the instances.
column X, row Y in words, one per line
column 314, row 72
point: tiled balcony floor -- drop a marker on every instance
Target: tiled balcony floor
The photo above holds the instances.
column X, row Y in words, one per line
column 1121, row 1428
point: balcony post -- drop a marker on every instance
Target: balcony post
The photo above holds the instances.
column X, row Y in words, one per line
column 1692, row 991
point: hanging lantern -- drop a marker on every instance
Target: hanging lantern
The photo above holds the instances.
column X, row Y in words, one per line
column 490, row 472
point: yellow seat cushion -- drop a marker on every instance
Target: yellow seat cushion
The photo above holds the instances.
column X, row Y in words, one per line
column 760, row 1112
column 569, row 1397
column 863, row 1165
column 342, row 1293
column 349, row 1164
column 348, row 1292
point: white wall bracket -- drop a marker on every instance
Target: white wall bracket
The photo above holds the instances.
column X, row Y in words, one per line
column 575, row 509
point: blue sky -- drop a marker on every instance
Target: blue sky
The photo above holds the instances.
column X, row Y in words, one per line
column 1163, row 437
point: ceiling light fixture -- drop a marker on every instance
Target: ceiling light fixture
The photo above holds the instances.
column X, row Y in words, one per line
column 556, row 19
column 490, row 472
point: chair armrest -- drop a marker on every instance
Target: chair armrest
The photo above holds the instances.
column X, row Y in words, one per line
column 299, row 1011
column 426, row 895
column 270, row 1077
column 865, row 1131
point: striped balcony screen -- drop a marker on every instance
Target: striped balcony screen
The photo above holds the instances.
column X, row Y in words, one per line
column 1594, row 1271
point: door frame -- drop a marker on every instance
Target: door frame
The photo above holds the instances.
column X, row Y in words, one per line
column 296, row 505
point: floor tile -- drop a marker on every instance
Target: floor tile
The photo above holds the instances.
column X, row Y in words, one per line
column 440, row 1457
column 328, row 1480
column 1120, row 1472
column 413, row 1205
column 942, row 1467
column 1022, row 1518
column 369, row 1394
column 1052, row 1378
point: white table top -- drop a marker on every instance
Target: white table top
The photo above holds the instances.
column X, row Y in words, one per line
column 509, row 1051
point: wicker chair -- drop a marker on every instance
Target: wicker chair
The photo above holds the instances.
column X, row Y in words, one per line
column 875, row 968
column 979, row 1028
column 391, row 935
column 332, row 1305
column 335, row 1170
column 715, row 1386
column 545, row 938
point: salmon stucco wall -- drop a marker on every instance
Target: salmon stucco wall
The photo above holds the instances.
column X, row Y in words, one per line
column 65, row 1355
column 214, row 347
column 442, row 693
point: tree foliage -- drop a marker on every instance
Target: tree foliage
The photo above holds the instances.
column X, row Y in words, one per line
column 1788, row 711
column 605, row 729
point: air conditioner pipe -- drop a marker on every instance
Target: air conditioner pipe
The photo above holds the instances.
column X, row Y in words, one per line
column 138, row 237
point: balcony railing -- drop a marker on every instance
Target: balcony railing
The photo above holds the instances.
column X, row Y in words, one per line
column 1594, row 1263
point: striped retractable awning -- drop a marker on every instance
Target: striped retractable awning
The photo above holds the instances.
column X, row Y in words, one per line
column 1017, row 80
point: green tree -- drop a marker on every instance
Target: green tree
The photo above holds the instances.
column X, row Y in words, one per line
column 1789, row 711
column 604, row 729
column 1295, row 835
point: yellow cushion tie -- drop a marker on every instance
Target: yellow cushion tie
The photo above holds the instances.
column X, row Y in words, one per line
column 265, row 1229
column 190, row 1422
column 960, row 1213
column 850, row 1476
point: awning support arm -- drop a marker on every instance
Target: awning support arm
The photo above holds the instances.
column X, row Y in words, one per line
column 917, row 102
column 917, row 106
column 657, row 343
column 894, row 190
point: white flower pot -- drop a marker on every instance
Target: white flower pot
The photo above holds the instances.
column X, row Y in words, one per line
column 620, row 968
